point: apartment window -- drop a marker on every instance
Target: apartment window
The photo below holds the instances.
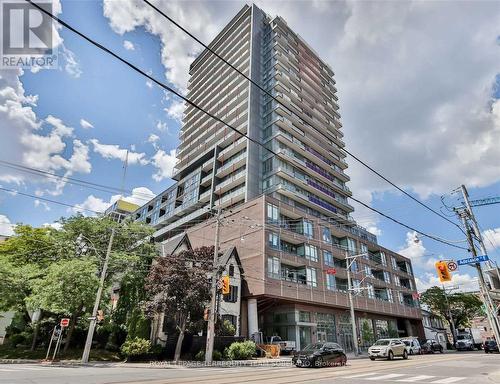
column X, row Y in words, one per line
column 330, row 282
column 311, row 277
column 387, row 277
column 354, row 266
column 310, row 252
column 356, row 286
column 326, row 235
column 371, row 290
column 368, row 271
column 231, row 270
column 274, row 240
column 393, row 262
column 273, row 267
column 397, row 281
column 328, row 258
column 389, row 295
column 400, row 297
column 383, row 259
column 308, row 228
column 267, row 166
column 364, row 248
column 304, row 316
column 272, row 213
column 232, row 296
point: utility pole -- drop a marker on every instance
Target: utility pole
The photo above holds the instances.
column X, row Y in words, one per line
column 452, row 323
column 93, row 319
column 212, row 314
column 350, row 260
column 465, row 214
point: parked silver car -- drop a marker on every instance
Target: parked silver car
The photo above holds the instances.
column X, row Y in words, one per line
column 388, row 349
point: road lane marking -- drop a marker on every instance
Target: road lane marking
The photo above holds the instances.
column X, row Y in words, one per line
column 448, row 380
column 416, row 378
column 390, row 376
column 6, row 370
column 360, row 375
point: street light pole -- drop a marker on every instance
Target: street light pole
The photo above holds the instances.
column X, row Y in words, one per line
column 93, row 319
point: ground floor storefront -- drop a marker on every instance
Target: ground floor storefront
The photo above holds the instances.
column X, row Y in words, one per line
column 305, row 324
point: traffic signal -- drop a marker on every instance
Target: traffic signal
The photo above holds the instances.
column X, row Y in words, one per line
column 442, row 271
column 225, row 284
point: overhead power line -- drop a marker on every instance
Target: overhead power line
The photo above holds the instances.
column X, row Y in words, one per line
column 289, row 110
column 170, row 89
column 74, row 181
column 47, row 200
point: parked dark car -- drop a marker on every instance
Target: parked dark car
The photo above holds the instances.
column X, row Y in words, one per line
column 320, row 355
column 431, row 346
column 490, row 346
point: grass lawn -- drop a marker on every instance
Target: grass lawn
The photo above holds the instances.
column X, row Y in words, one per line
column 7, row 352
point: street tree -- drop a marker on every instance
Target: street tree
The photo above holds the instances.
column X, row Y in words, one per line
column 462, row 306
column 33, row 256
column 178, row 285
column 68, row 288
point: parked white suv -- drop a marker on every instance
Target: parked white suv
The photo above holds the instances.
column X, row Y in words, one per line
column 412, row 345
column 388, row 349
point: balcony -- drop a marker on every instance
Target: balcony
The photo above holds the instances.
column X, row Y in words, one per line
column 231, row 182
column 231, row 198
column 205, row 196
column 232, row 165
column 207, row 180
column 233, row 148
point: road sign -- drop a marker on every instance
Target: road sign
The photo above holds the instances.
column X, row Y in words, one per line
column 452, row 266
column 64, row 322
column 331, row 271
column 473, row 260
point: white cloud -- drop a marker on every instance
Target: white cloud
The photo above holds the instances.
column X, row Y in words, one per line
column 176, row 110
column 38, row 203
column 71, row 63
column 128, row 45
column 56, row 225
column 85, row 124
column 414, row 247
column 60, row 129
column 139, row 196
column 161, row 126
column 153, row 138
column 165, row 163
column 177, row 49
column 24, row 141
column 112, row 151
column 464, row 282
column 90, row 205
column 491, row 238
column 6, row 227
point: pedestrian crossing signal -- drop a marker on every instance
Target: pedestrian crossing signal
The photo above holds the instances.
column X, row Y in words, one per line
column 442, row 271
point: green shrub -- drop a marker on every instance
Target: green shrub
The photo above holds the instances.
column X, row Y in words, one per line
column 200, row 356
column 240, row 350
column 135, row 347
column 18, row 339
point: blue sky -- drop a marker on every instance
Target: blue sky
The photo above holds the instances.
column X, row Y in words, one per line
column 427, row 118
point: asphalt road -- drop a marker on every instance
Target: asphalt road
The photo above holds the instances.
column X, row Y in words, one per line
column 460, row 368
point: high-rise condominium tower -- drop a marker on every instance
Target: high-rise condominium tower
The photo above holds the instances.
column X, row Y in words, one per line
column 286, row 217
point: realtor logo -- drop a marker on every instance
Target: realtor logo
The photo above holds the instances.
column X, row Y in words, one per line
column 27, row 35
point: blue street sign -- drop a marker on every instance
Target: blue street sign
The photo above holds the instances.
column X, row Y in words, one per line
column 473, row 260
